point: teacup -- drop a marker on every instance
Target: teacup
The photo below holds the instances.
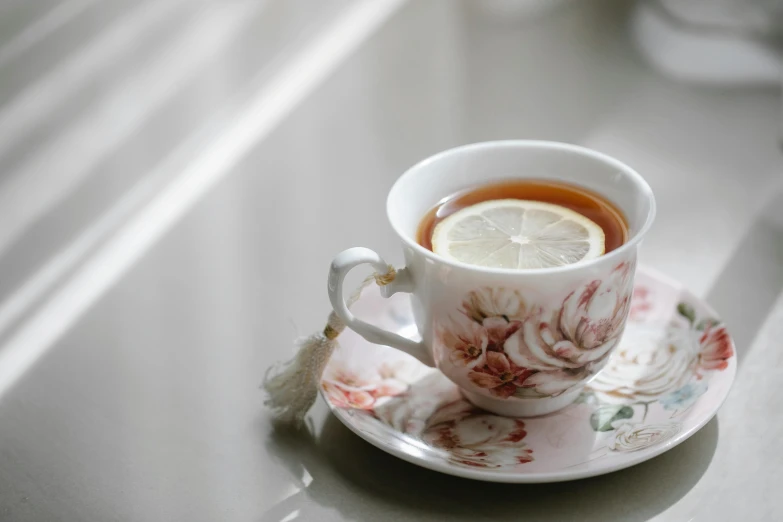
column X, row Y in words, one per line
column 517, row 342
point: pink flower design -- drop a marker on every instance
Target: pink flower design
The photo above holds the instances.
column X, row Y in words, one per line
column 505, row 346
column 494, row 303
column 477, row 439
column 498, row 330
column 389, row 384
column 349, row 379
column 575, row 342
column 467, row 342
column 499, row 375
column 716, row 348
column 345, row 389
column 641, row 303
column 388, row 388
column 343, row 397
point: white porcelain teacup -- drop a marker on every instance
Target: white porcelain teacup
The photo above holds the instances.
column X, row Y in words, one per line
column 517, row 342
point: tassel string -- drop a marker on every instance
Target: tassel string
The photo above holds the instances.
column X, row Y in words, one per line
column 292, row 387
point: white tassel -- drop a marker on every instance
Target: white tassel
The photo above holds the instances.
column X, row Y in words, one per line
column 291, row 391
column 293, row 386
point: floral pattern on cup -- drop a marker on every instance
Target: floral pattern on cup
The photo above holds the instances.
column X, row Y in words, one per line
column 469, row 344
column 630, row 437
column 499, row 375
column 511, row 350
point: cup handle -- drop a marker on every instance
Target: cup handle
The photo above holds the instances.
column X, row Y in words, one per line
column 344, row 263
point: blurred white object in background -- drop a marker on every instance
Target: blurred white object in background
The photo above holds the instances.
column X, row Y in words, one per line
column 515, row 10
column 730, row 42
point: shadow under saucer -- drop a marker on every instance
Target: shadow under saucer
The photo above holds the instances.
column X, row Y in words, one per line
column 350, row 475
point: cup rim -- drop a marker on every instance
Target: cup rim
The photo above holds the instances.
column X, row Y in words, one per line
column 616, row 253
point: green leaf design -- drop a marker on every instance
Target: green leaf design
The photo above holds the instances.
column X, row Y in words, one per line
column 704, row 323
column 686, row 311
column 603, row 417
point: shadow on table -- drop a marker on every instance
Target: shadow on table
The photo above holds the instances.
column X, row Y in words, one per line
column 361, row 482
column 752, row 280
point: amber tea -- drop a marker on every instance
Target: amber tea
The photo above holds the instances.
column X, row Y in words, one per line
column 578, row 199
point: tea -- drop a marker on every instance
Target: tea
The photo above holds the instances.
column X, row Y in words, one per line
column 583, row 201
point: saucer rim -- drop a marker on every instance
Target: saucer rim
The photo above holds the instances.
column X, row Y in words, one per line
column 539, row 477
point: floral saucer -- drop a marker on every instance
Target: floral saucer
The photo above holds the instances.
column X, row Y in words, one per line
column 666, row 379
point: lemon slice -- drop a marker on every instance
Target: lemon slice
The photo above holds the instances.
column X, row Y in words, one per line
column 519, row 234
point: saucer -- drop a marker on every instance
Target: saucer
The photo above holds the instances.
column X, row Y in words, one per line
column 667, row 378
